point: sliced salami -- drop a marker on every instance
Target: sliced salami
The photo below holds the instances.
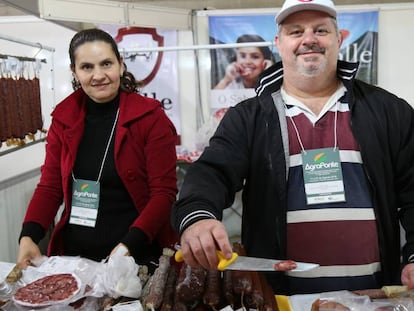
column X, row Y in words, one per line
column 48, row 290
column 285, row 265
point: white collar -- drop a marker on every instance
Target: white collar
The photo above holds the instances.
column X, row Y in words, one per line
column 330, row 104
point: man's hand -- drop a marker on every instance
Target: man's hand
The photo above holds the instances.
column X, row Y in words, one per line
column 201, row 240
column 407, row 275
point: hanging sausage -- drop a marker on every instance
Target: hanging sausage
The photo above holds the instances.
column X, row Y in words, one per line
column 20, row 105
column 4, row 121
column 35, row 105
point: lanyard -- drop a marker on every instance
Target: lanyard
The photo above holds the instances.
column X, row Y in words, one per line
column 335, row 129
column 322, row 172
column 106, row 149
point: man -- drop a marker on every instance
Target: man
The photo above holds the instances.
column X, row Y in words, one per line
column 325, row 162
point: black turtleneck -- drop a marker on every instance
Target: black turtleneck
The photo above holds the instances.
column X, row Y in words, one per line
column 116, row 211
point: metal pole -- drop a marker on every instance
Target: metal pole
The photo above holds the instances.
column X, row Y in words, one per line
column 198, row 47
column 37, row 45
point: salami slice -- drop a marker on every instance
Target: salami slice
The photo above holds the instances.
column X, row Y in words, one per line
column 285, row 265
column 48, row 290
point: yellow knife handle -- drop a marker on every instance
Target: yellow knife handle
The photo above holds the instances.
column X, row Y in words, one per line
column 223, row 262
column 178, row 256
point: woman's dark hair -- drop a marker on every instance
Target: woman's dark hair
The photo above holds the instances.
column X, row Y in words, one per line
column 128, row 82
column 267, row 53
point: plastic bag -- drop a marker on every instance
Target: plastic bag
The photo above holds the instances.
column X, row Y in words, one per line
column 345, row 300
column 120, row 277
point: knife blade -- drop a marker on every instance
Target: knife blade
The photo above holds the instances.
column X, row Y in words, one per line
column 246, row 263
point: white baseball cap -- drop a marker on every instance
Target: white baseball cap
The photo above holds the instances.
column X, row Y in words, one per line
column 293, row 6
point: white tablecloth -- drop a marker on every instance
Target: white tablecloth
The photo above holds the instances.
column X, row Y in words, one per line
column 5, row 268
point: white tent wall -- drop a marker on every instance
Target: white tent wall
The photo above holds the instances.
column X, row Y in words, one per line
column 395, row 65
column 19, row 170
column 55, row 78
column 395, row 70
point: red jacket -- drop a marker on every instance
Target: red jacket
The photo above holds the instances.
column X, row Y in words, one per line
column 145, row 159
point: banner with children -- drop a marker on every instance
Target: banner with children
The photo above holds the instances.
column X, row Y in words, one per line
column 234, row 71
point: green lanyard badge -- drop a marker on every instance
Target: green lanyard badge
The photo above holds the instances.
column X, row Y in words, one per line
column 322, row 174
column 85, row 202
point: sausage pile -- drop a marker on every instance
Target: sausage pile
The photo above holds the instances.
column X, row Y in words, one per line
column 179, row 287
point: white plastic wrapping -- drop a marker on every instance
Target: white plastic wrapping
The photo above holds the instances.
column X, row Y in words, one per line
column 115, row 277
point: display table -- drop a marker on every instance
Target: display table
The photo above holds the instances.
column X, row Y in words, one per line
column 296, row 302
column 5, row 268
column 359, row 302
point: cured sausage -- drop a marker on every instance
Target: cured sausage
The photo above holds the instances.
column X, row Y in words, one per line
column 147, row 287
column 168, row 300
column 190, row 283
column 179, row 306
column 255, row 299
column 212, row 293
column 242, row 280
column 36, row 106
column 228, row 287
column 269, row 301
column 156, row 291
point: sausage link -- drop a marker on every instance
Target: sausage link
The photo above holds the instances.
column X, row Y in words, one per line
column 168, row 300
column 255, row 299
column 268, row 295
column 190, row 283
column 212, row 294
column 156, row 291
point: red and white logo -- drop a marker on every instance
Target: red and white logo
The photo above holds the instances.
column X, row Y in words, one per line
column 148, row 63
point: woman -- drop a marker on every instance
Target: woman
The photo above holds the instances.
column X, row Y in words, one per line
column 110, row 159
column 249, row 63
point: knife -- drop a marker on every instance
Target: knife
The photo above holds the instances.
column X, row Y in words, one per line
column 237, row 262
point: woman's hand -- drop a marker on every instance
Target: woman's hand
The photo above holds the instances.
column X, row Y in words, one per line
column 120, row 249
column 28, row 251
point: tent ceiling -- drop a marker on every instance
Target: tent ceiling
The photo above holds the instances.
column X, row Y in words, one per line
column 156, row 13
column 8, row 7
